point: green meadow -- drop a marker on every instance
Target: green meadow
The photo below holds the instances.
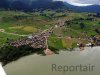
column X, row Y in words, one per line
column 24, row 23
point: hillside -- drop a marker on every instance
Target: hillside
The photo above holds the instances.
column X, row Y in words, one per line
column 30, row 5
column 76, row 24
column 91, row 8
column 16, row 25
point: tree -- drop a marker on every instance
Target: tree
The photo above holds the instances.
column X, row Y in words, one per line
column 82, row 25
column 97, row 30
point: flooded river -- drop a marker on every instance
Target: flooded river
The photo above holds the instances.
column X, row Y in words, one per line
column 42, row 65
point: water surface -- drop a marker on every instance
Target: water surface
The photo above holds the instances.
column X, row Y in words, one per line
column 42, row 65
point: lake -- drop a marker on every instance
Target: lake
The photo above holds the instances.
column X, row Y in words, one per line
column 42, row 65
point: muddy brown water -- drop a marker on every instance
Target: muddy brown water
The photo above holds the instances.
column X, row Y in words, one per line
column 42, row 65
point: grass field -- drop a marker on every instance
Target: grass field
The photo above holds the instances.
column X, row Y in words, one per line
column 22, row 23
column 3, row 38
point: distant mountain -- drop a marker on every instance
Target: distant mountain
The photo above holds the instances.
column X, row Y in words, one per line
column 28, row 5
column 4, row 4
column 48, row 5
column 19, row 5
column 91, row 8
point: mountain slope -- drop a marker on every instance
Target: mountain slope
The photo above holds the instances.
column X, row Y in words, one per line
column 91, row 8
column 32, row 4
column 4, row 4
column 47, row 5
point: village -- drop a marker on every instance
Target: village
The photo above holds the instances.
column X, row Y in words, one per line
column 41, row 40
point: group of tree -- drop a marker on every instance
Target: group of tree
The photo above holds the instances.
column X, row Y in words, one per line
column 97, row 30
column 9, row 53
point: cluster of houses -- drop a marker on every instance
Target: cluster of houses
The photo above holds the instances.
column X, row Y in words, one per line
column 36, row 41
column 96, row 40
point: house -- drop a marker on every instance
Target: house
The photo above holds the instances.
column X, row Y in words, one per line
column 98, row 41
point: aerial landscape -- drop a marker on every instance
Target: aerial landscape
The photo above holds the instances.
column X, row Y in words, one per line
column 46, row 27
